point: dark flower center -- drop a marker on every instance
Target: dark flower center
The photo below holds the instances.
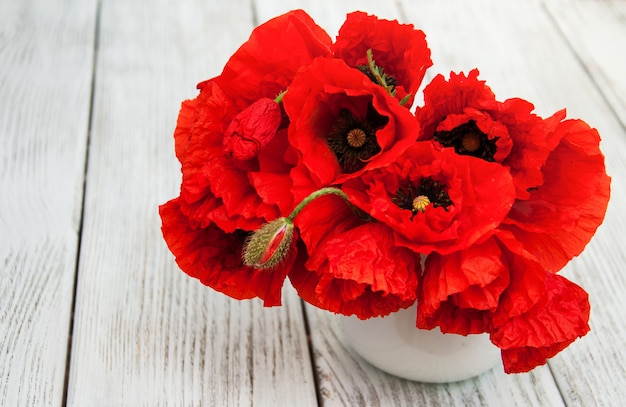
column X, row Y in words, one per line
column 353, row 140
column 417, row 196
column 467, row 139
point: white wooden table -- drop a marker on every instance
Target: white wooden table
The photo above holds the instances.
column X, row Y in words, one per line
column 94, row 311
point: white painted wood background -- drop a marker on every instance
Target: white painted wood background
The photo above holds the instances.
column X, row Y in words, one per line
column 94, row 312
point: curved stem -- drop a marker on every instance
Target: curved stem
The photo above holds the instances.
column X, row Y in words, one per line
column 315, row 195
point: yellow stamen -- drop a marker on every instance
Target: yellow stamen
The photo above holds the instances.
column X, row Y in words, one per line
column 420, row 203
column 356, row 138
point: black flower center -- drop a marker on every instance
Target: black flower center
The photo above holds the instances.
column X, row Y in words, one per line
column 353, row 140
column 468, row 139
column 388, row 80
column 416, row 197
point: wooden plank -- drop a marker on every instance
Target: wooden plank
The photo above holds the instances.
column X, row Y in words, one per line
column 46, row 54
column 145, row 333
column 521, row 53
column 597, row 34
column 345, row 379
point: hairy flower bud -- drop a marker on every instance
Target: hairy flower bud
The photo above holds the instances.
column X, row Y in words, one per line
column 269, row 245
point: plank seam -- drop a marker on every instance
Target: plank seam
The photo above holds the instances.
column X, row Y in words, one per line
column 556, row 383
column 401, row 11
column 582, row 63
column 255, row 13
column 94, row 62
column 309, row 343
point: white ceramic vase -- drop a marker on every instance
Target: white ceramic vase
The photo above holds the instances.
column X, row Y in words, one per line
column 394, row 345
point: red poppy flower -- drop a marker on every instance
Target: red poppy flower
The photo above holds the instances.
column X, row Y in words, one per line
column 458, row 292
column 265, row 64
column 353, row 266
column 398, row 49
column 463, row 114
column 499, row 287
column 208, row 173
column 231, row 140
column 342, row 123
column 214, row 257
column 563, row 213
column 483, row 286
column 558, row 319
column 562, row 189
column 435, row 200
column 494, row 197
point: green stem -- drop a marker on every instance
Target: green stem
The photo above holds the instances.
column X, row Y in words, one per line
column 405, row 100
column 279, row 98
column 315, row 195
column 374, row 69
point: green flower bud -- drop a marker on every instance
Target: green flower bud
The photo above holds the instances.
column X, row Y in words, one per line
column 269, row 245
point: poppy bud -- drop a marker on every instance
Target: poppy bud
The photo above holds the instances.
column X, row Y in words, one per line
column 252, row 129
column 269, row 245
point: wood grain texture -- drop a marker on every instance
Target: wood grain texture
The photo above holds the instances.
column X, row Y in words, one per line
column 46, row 54
column 520, row 52
column 328, row 14
column 145, row 333
column 597, row 34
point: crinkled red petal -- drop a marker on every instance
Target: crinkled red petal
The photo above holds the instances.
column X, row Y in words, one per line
column 214, row 257
column 562, row 215
column 399, row 49
column 558, row 319
column 359, row 272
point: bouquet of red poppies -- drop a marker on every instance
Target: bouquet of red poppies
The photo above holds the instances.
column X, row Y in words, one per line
column 305, row 160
